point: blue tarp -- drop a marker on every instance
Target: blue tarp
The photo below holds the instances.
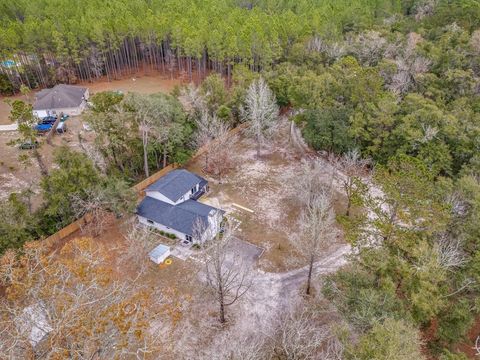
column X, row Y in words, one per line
column 8, row 63
column 43, row 127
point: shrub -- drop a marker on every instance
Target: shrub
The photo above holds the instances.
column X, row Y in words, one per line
column 6, row 87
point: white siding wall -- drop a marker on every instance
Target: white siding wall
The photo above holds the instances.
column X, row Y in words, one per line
column 159, row 196
column 214, row 222
column 67, row 111
column 178, row 234
column 184, row 197
column 210, row 232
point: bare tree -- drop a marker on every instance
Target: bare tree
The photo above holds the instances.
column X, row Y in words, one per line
column 236, row 346
column 145, row 113
column 450, row 252
column 349, row 169
column 93, row 154
column 101, row 204
column 72, row 304
column 475, row 42
column 93, row 205
column 193, row 100
column 261, row 111
column 425, row 8
column 334, row 50
column 368, row 47
column 409, row 64
column 221, row 157
column 228, row 277
column 299, row 335
column 210, row 132
column 317, row 229
column 311, row 180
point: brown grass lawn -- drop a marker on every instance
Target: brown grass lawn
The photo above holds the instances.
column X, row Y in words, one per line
column 267, row 187
column 112, row 239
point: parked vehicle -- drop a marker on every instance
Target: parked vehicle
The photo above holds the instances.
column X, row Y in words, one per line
column 64, row 118
column 28, row 145
column 61, row 128
column 46, row 122
column 43, row 128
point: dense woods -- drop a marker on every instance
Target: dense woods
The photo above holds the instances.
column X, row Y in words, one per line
column 389, row 87
column 66, row 41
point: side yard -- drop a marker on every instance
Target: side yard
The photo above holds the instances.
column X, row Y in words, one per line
column 16, row 175
column 261, row 194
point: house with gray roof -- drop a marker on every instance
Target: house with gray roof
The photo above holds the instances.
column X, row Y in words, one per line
column 171, row 205
column 61, row 99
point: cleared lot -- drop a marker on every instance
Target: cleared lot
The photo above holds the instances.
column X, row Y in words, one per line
column 261, row 195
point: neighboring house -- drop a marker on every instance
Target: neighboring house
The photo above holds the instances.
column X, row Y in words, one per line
column 170, row 205
column 61, row 99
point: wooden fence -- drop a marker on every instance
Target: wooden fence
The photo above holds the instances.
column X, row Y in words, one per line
column 138, row 188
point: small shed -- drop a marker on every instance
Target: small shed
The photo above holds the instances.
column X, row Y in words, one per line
column 159, row 254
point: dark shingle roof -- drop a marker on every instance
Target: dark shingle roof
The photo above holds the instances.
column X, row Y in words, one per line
column 59, row 97
column 176, row 183
column 181, row 217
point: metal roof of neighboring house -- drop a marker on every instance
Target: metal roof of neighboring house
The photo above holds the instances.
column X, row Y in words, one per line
column 176, row 183
column 59, row 97
column 159, row 251
column 181, row 217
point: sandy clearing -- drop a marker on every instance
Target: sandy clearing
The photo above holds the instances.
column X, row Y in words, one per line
column 265, row 186
column 141, row 83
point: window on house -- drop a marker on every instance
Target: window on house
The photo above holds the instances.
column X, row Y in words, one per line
column 188, row 238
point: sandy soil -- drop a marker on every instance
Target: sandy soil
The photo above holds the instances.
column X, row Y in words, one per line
column 267, row 187
column 197, row 333
column 141, row 84
column 146, row 84
column 15, row 176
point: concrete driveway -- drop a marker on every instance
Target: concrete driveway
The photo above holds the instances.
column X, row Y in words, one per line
column 244, row 252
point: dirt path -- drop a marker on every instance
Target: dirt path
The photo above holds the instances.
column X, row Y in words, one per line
column 273, row 293
column 298, row 142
